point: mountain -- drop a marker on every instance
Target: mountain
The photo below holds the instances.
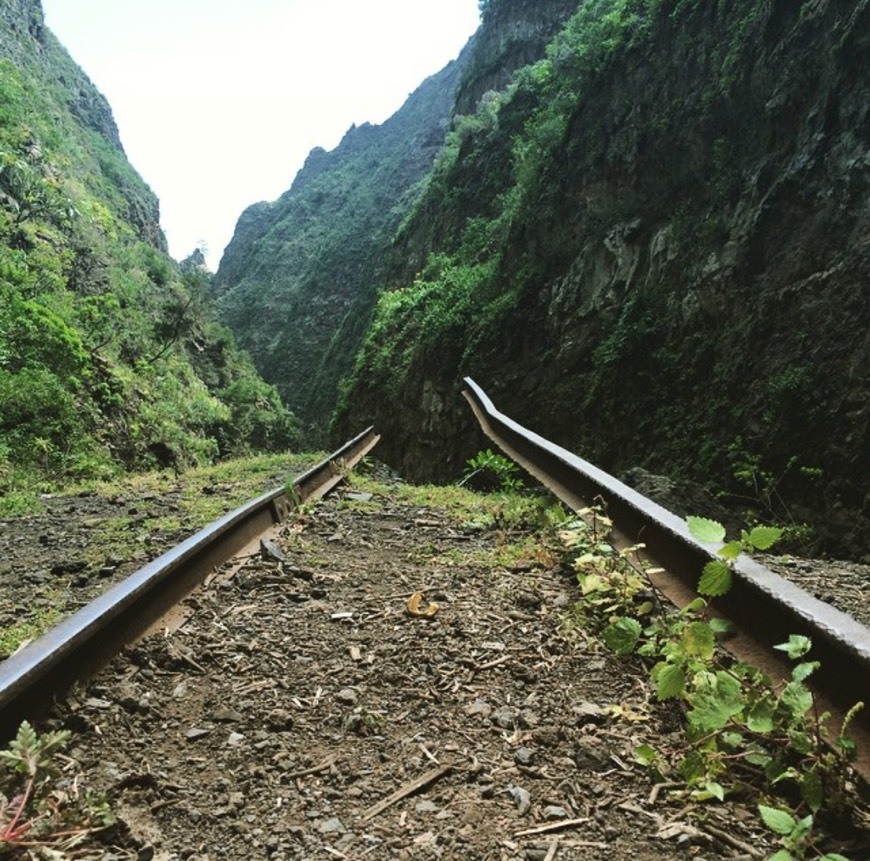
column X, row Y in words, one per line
column 653, row 246
column 298, row 280
column 110, row 354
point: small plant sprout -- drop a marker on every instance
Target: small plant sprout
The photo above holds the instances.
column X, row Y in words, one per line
column 497, row 466
column 717, row 576
column 33, row 811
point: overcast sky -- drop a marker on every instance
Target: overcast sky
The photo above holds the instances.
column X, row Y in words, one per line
column 218, row 102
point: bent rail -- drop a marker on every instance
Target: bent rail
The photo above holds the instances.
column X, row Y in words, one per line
column 765, row 607
column 81, row 643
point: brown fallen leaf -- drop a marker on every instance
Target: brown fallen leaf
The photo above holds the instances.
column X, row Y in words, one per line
column 413, row 606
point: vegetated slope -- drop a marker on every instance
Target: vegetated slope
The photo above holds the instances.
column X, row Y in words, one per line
column 297, row 282
column 654, row 247
column 109, row 353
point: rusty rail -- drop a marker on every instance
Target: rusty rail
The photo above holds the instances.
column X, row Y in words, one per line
column 81, row 643
column 765, row 607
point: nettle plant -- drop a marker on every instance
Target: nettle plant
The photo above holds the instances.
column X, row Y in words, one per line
column 744, row 734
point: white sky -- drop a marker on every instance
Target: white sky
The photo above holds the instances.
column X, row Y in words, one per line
column 218, row 102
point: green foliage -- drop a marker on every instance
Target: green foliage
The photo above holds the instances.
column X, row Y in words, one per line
column 32, row 813
column 109, row 357
column 500, row 468
column 741, row 729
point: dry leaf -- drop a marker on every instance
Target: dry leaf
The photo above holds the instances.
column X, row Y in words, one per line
column 413, row 606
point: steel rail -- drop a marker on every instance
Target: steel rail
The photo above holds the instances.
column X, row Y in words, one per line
column 765, row 607
column 79, row 645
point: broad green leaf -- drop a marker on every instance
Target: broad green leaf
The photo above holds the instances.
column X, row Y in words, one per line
column 782, row 855
column 715, row 578
column 692, row 767
column 813, row 791
column 764, row 537
column 758, row 758
column 715, row 789
column 715, row 700
column 645, row 755
column 704, row 530
column 622, row 636
column 803, row 827
column 732, row 739
column 696, row 605
column 805, row 670
column 760, row 718
column 797, row 698
column 833, row 856
column 780, row 821
column 698, row 640
column 670, row 682
column 731, row 550
column 796, row 647
column 721, row 626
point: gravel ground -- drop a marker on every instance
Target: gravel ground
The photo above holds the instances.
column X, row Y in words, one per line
column 301, row 712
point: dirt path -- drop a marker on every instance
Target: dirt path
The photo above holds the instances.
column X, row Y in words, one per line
column 301, row 712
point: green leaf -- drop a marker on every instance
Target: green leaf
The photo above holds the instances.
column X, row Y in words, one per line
column 704, row 530
column 721, row 626
column 796, row 647
column 833, row 856
column 796, row 697
column 670, row 681
column 802, row 829
column 780, row 821
column 805, row 670
column 645, row 755
column 764, row 537
column 715, row 578
column 813, row 791
column 698, row 640
column 731, row 550
column 622, row 636
column 715, row 789
column 714, row 700
column 760, row 718
column 782, row 855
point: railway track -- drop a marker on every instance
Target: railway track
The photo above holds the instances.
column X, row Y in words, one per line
column 304, row 658
column 33, row 678
column 765, row 608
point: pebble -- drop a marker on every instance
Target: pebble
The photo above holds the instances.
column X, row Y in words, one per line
column 524, row 756
column 521, row 797
column 347, row 696
column 505, row 717
column 332, row 826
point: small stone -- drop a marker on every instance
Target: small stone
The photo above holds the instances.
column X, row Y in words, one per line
column 195, row 732
column 587, row 712
column 332, row 826
column 521, row 797
column 527, row 719
column 554, row 811
column 279, row 720
column 271, row 552
column 228, row 716
column 478, row 707
column 524, row 756
column 347, row 696
column 505, row 717
column 235, row 739
column 426, row 807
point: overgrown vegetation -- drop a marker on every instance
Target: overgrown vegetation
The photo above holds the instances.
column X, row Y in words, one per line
column 40, row 810
column 110, row 358
column 745, row 735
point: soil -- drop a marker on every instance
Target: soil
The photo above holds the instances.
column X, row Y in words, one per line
column 300, row 711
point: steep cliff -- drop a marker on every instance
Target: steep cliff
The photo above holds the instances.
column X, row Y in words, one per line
column 110, row 356
column 654, row 247
column 297, row 282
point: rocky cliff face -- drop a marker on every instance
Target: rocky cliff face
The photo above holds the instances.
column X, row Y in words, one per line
column 513, row 33
column 687, row 273
column 298, row 280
